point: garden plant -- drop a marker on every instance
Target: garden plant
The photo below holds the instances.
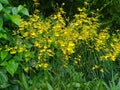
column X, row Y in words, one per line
column 62, row 49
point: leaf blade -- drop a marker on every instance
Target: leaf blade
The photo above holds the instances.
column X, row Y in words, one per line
column 16, row 19
column 4, row 54
column 12, row 67
column 1, row 7
column 4, row 1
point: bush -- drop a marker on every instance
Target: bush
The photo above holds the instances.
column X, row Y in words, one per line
column 58, row 53
column 9, row 20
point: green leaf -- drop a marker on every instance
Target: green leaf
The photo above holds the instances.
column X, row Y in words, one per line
column 1, row 7
column 16, row 19
column 4, row 1
column 118, row 84
column 23, row 10
column 3, row 54
column 7, row 16
column 4, row 63
column 3, row 80
column 34, row 83
column 19, row 82
column 101, row 86
column 20, row 7
column 24, row 81
column 1, row 22
column 49, row 86
column 3, row 36
column 12, row 67
column 7, row 10
column 77, row 85
column 14, row 10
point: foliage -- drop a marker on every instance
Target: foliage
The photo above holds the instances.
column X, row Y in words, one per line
column 57, row 53
column 110, row 11
column 108, row 8
column 9, row 18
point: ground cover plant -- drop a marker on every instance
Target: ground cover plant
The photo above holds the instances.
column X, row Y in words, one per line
column 57, row 53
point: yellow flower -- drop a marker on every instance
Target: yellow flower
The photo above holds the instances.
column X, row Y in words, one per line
column 45, row 65
column 71, row 44
column 27, row 55
column 66, row 57
column 64, row 51
column 70, row 50
column 62, row 43
column 113, row 58
column 86, row 3
column 79, row 9
column 36, row 44
column 21, row 49
column 25, row 34
column 13, row 52
column 75, row 62
column 33, row 34
column 21, row 28
column 15, row 47
column 45, row 47
column 7, row 48
column 95, row 67
column 35, row 0
column 56, row 34
column 40, row 65
column 102, row 70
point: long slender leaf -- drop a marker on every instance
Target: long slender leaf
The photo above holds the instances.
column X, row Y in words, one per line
column 24, row 81
column 1, row 6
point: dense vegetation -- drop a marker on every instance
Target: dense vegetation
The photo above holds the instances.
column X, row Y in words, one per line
column 59, row 45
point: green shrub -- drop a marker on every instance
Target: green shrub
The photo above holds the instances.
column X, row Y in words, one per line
column 55, row 52
column 52, row 45
column 9, row 19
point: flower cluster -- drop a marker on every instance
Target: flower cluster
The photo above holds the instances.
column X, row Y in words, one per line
column 53, row 39
column 113, row 49
column 95, row 67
